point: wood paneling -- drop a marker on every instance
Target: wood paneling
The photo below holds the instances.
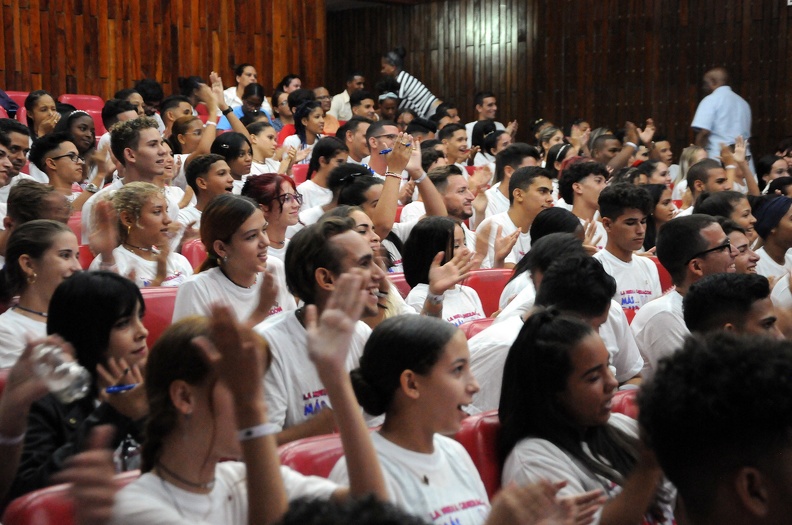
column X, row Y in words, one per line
column 101, row 46
column 605, row 60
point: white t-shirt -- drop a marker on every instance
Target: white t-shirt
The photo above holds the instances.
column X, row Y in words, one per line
column 637, row 281
column 201, row 291
column 190, row 214
column 292, row 386
column 769, row 268
column 600, row 236
column 413, row 212
column 496, row 201
column 625, row 358
column 15, row 331
column 469, row 128
column 150, row 500
column 443, row 487
column 293, row 141
column 520, row 305
column 178, row 267
column 781, row 295
column 402, row 230
column 660, row 330
column 460, row 305
column 278, row 253
column 313, row 194
column 513, row 289
column 534, row 459
column 488, row 351
column 521, row 247
column 268, row 166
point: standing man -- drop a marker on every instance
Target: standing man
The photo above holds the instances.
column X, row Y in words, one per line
column 340, row 107
column 487, row 108
column 722, row 115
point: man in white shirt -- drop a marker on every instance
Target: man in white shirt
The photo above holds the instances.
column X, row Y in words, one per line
column 624, row 208
column 690, row 248
column 457, row 197
column 454, row 137
column 171, row 109
column 580, row 185
column 734, row 302
column 340, row 107
column 486, row 107
column 362, row 104
column 208, row 175
column 705, row 175
column 514, row 156
column 19, row 146
column 721, row 116
column 530, row 191
column 316, row 257
column 138, row 146
column 353, row 133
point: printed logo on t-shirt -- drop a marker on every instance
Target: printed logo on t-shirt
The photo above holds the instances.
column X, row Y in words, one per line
column 443, row 515
column 634, row 299
column 169, row 281
column 460, row 319
column 275, row 309
column 313, row 402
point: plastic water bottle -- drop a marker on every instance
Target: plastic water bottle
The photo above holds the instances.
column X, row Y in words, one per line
column 65, row 378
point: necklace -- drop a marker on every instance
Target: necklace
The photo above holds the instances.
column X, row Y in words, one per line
column 34, row 312
column 209, row 485
column 255, row 280
column 281, row 243
column 153, row 249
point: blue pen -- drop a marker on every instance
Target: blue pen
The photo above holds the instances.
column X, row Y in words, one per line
column 386, row 151
column 119, row 388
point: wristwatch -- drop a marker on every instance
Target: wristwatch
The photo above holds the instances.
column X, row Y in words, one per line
column 91, row 187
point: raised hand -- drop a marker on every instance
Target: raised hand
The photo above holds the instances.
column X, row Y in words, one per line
column 511, row 129
column 740, row 145
column 534, row 504
column 443, row 277
column 104, row 238
column 504, row 243
column 648, row 132
column 131, row 403
column 268, row 293
column 329, row 336
column 399, row 156
column 631, row 133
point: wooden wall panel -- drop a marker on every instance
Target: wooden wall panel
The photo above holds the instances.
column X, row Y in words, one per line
column 605, row 60
column 101, row 46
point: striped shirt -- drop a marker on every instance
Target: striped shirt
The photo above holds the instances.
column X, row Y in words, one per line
column 415, row 95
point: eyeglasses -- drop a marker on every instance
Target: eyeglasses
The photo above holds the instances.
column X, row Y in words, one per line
column 389, row 137
column 289, row 197
column 725, row 246
column 72, row 157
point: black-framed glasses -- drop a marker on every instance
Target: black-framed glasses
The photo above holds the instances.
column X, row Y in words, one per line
column 725, row 246
column 390, row 136
column 288, row 197
column 72, row 157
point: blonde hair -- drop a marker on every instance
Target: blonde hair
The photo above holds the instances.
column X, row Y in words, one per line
column 686, row 161
column 131, row 198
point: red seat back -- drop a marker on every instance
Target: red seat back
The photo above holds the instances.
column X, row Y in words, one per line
column 75, row 223
column 159, row 310
column 479, row 436
column 195, row 252
column 665, row 278
column 21, row 115
column 3, row 112
column 626, row 402
column 86, row 256
column 299, row 173
column 51, row 505
column 489, row 284
column 18, row 97
column 398, row 213
column 313, row 456
column 83, row 102
column 471, row 328
column 400, row 283
column 3, row 378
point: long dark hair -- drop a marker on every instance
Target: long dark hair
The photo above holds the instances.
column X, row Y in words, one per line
column 220, row 220
column 656, row 191
column 325, row 148
column 304, row 111
column 534, row 375
column 102, row 297
column 428, row 237
column 404, row 342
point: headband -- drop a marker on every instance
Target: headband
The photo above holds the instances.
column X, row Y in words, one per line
column 387, row 95
column 770, row 214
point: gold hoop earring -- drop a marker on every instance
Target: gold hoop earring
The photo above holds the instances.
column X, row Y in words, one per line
column 31, row 279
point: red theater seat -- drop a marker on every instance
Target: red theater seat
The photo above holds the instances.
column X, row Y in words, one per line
column 83, row 102
column 3, row 112
column 625, row 402
column 400, row 283
column 21, row 115
column 299, row 173
column 159, row 310
column 195, row 252
column 51, row 505
column 314, row 456
column 75, row 223
column 479, row 436
column 472, row 328
column 86, row 256
column 18, row 97
column 665, row 278
column 489, row 284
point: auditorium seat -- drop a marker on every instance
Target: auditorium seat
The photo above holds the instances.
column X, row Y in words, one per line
column 83, row 102
column 195, row 252
column 400, row 283
column 313, row 456
column 479, row 436
column 299, row 173
column 85, row 255
column 21, row 115
column 489, row 285
column 665, row 278
column 3, row 112
column 51, row 505
column 472, row 328
column 625, row 402
column 160, row 301
column 18, row 97
column 398, row 213
column 75, row 223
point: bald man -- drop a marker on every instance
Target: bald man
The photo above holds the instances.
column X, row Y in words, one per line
column 722, row 115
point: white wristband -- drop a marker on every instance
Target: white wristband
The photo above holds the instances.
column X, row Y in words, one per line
column 211, row 123
column 633, row 144
column 11, row 441
column 420, row 179
column 730, row 167
column 434, row 298
column 264, row 429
